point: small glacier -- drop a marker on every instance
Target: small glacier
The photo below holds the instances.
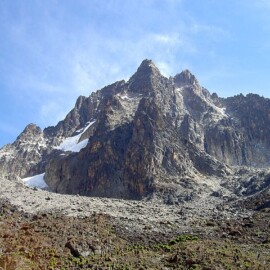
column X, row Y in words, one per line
column 36, row 181
column 72, row 143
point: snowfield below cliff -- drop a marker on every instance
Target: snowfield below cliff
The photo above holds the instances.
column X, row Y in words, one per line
column 36, row 181
column 73, row 144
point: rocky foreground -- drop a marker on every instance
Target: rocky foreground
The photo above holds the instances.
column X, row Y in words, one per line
column 44, row 230
column 176, row 178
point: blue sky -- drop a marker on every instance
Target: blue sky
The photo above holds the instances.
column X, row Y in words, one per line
column 53, row 51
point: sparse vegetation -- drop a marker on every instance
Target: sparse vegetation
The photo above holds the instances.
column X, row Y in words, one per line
column 39, row 242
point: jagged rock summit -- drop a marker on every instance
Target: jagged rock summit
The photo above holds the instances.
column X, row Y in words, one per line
column 148, row 136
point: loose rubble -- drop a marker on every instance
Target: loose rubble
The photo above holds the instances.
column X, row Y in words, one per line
column 45, row 230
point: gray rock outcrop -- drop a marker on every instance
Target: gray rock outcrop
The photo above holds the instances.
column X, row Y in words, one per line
column 148, row 135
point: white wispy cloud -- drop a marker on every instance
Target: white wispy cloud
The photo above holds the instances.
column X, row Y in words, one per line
column 212, row 31
column 60, row 53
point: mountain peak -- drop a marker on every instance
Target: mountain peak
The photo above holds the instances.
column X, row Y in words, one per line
column 147, row 62
column 142, row 79
column 31, row 128
column 185, row 78
column 29, row 131
column 148, row 66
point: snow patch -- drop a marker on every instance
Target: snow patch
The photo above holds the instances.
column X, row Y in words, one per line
column 72, row 143
column 222, row 111
column 36, row 181
column 89, row 124
column 79, row 130
column 125, row 97
column 179, row 89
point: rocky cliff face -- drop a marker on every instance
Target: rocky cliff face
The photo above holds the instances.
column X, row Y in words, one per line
column 148, row 135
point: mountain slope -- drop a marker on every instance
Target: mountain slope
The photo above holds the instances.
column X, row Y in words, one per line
column 149, row 135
